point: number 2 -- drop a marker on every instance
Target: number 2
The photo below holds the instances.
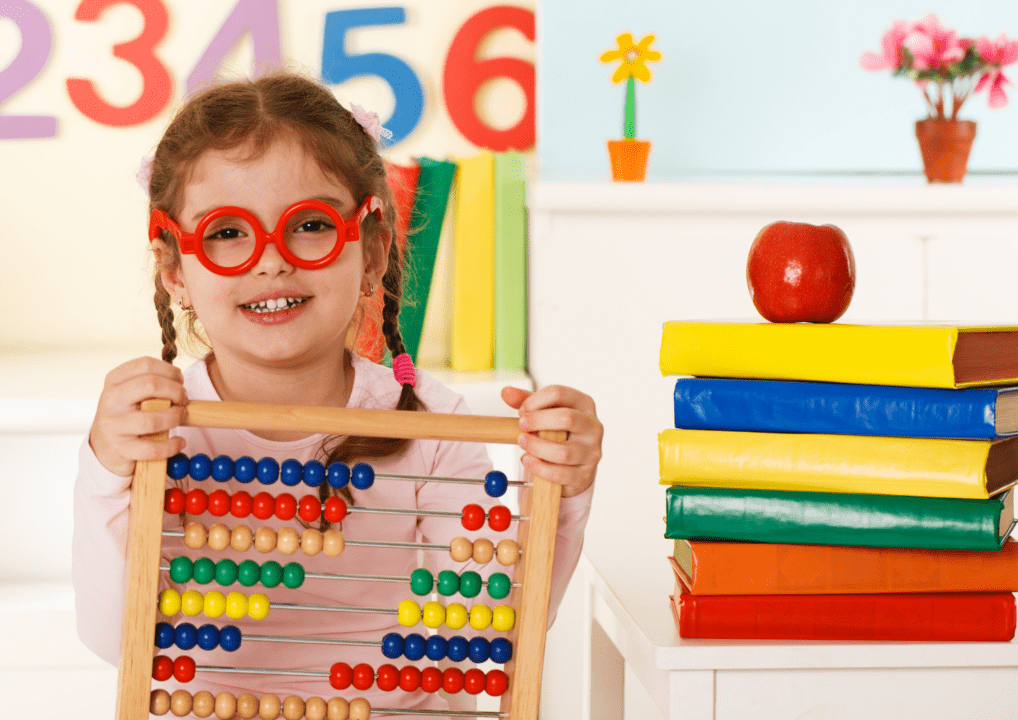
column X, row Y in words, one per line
column 36, row 43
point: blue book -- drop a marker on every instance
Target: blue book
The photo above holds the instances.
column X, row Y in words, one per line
column 843, row 409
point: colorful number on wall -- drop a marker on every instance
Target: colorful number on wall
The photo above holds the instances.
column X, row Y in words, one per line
column 36, row 43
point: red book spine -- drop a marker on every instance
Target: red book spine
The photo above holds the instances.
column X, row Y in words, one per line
column 920, row 616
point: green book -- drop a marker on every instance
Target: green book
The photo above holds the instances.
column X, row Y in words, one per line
column 814, row 518
column 510, row 262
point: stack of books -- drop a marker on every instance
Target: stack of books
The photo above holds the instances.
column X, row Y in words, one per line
column 842, row 482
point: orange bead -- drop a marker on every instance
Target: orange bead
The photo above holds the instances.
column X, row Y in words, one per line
column 339, row 709
column 269, row 707
column 360, row 709
column 508, row 552
column 241, row 538
column 287, row 541
column 265, row 539
column 333, row 545
column 247, row 706
column 180, row 703
column 484, row 551
column 226, row 706
column 461, row 549
column 195, row 535
column 219, row 537
column 311, row 541
column 203, row 703
column 293, row 708
column 315, row 709
column 159, row 702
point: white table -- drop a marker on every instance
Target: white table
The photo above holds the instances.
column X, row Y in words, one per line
column 628, row 582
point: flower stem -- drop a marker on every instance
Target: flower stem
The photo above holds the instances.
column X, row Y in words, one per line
column 629, row 126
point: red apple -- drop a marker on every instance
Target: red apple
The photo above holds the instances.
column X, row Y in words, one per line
column 799, row 272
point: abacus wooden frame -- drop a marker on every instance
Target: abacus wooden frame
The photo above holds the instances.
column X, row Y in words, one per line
column 539, row 505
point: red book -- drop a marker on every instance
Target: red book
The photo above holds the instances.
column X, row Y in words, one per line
column 930, row 617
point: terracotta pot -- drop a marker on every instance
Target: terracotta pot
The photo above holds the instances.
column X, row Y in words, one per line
column 629, row 159
column 945, row 146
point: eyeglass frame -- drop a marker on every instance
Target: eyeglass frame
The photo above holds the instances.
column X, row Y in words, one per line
column 191, row 243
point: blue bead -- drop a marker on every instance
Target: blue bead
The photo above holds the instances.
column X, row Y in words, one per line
column 496, row 483
column 501, row 650
column 222, row 468
column 459, row 648
column 186, row 636
column 178, row 466
column 392, row 645
column 291, row 473
column 314, row 473
column 415, row 646
column 245, row 469
column 201, row 466
column 338, row 474
column 208, row 637
column 438, row 646
column 165, row 635
column 480, row 649
column 363, row 476
column 229, row 638
column 268, row 471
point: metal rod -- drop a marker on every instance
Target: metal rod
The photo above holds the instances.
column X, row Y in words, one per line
column 427, row 513
column 334, row 608
column 429, row 478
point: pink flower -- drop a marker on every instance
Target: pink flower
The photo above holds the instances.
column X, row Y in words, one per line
column 932, row 45
column 891, row 45
column 370, row 122
column 144, row 174
column 997, row 54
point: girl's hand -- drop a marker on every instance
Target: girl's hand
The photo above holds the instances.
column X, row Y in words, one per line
column 119, row 422
column 572, row 463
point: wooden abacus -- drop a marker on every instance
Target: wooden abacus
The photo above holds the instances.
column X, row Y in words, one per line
column 536, row 531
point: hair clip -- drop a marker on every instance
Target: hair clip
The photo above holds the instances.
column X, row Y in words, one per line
column 403, row 369
column 144, row 174
column 370, row 122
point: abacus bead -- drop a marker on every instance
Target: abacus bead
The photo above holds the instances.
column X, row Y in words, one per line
column 159, row 702
column 265, row 539
column 185, row 636
column 338, row 474
column 473, row 517
column 286, row 506
column 174, row 501
column 181, row 569
column 287, row 541
column 499, row 518
column 258, row 606
column 470, row 584
column 496, row 483
column 203, row 703
column 433, row 614
column 388, row 677
column 461, row 549
column 480, row 650
column 269, row 707
column 169, row 602
column 310, row 508
column 335, row 509
column 214, row 604
column 459, row 648
column 178, row 466
column 241, row 538
column 501, row 650
column 503, row 618
column 268, row 471
column 340, row 675
column 333, row 542
column 314, row 473
column 293, row 575
column 448, row 583
column 392, row 645
column 311, row 541
column 363, row 476
column 410, row 678
column 204, row 571
column 195, row 535
column 431, row 679
column 196, row 501
column 229, row 638
column 166, row 635
column 263, row 505
column 438, row 647
column 480, row 617
column 498, row 585
column 245, row 469
column 236, row 606
column 226, row 706
column 452, row 680
column 219, row 537
column 222, row 468
column 183, row 669
column 180, row 703
column 208, row 636
column 474, row 681
column 455, row 615
column 415, row 646
column 409, row 613
column 507, row 552
column 219, row 503
column 293, row 708
column 338, row 709
column 162, row 668
column 360, row 709
column 497, row 683
column 422, row 582
column 241, row 504
column 272, row 574
column 484, row 551
column 248, row 573
column 315, row 708
column 247, row 705
column 201, row 466
column 226, row 572
column 291, row 473
column 363, row 676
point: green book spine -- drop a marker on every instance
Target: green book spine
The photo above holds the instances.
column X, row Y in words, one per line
column 810, row 518
column 510, row 262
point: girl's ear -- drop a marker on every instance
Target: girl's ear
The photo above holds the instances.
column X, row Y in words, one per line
column 377, row 255
column 169, row 271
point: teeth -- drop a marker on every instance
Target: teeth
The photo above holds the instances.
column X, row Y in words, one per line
column 274, row 305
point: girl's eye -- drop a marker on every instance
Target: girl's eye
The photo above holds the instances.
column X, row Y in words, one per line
column 225, row 234
column 315, row 226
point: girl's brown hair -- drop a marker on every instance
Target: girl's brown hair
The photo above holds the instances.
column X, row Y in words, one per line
column 252, row 115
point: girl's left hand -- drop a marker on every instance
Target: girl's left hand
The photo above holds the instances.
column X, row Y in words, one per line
column 572, row 463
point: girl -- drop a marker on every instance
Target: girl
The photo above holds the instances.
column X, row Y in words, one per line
column 276, row 310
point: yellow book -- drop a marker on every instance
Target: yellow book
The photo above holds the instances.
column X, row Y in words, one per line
column 473, row 314
column 909, row 355
column 838, row 463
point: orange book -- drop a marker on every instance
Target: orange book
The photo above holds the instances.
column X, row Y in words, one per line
column 734, row 568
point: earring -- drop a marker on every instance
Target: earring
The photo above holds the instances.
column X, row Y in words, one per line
column 371, row 290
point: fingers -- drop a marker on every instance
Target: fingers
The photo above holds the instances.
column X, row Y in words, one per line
column 514, row 396
column 558, row 396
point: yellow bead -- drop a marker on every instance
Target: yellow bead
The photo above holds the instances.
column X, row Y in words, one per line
column 409, row 613
column 192, row 603
column 169, row 602
column 480, row 617
column 215, row 603
column 456, row 616
column 236, row 605
column 433, row 614
column 258, row 606
column 503, row 618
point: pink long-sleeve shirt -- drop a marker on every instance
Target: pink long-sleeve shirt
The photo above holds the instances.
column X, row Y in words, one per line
column 101, row 509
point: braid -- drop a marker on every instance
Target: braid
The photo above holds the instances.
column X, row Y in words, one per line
column 165, row 314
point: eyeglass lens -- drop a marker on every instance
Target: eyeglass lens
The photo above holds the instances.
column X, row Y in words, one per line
column 228, row 241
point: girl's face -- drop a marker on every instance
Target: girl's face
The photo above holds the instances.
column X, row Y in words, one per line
column 313, row 308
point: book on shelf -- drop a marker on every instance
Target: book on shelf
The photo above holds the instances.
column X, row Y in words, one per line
column 813, row 518
column 932, row 467
column 703, row 403
column 473, row 315
column 746, row 568
column 941, row 356
column 510, row 261
column 928, row 617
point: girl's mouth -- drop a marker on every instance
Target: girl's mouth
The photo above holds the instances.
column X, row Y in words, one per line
column 275, row 305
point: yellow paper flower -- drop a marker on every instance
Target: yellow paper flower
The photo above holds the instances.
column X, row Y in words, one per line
column 634, row 57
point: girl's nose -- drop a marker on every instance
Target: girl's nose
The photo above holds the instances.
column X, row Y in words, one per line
column 272, row 262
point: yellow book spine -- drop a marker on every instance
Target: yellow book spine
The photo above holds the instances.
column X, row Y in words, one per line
column 824, row 463
column 473, row 320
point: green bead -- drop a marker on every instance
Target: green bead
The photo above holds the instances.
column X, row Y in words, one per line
column 181, row 569
column 422, row 582
column 498, row 585
column 204, row 571
column 248, row 573
column 448, row 583
column 226, row 572
column 470, row 584
column 293, row 575
column 272, row 574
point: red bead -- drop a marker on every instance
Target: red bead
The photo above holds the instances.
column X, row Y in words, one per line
column 431, row 679
column 363, row 676
column 474, row 681
column 473, row 517
column 499, row 518
column 241, row 504
column 264, row 505
column 452, row 680
column 498, row 683
column 286, row 506
column 310, row 508
column 335, row 509
column 340, row 676
column 162, row 668
column 174, row 500
column 388, row 677
column 409, row 678
column 196, row 502
column 219, row 503
column 183, row 669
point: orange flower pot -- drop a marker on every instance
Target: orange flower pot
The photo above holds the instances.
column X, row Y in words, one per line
column 629, row 159
column 945, row 146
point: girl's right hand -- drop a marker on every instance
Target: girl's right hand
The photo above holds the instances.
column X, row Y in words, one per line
column 116, row 433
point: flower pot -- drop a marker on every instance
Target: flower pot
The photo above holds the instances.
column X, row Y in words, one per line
column 945, row 146
column 629, row 158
